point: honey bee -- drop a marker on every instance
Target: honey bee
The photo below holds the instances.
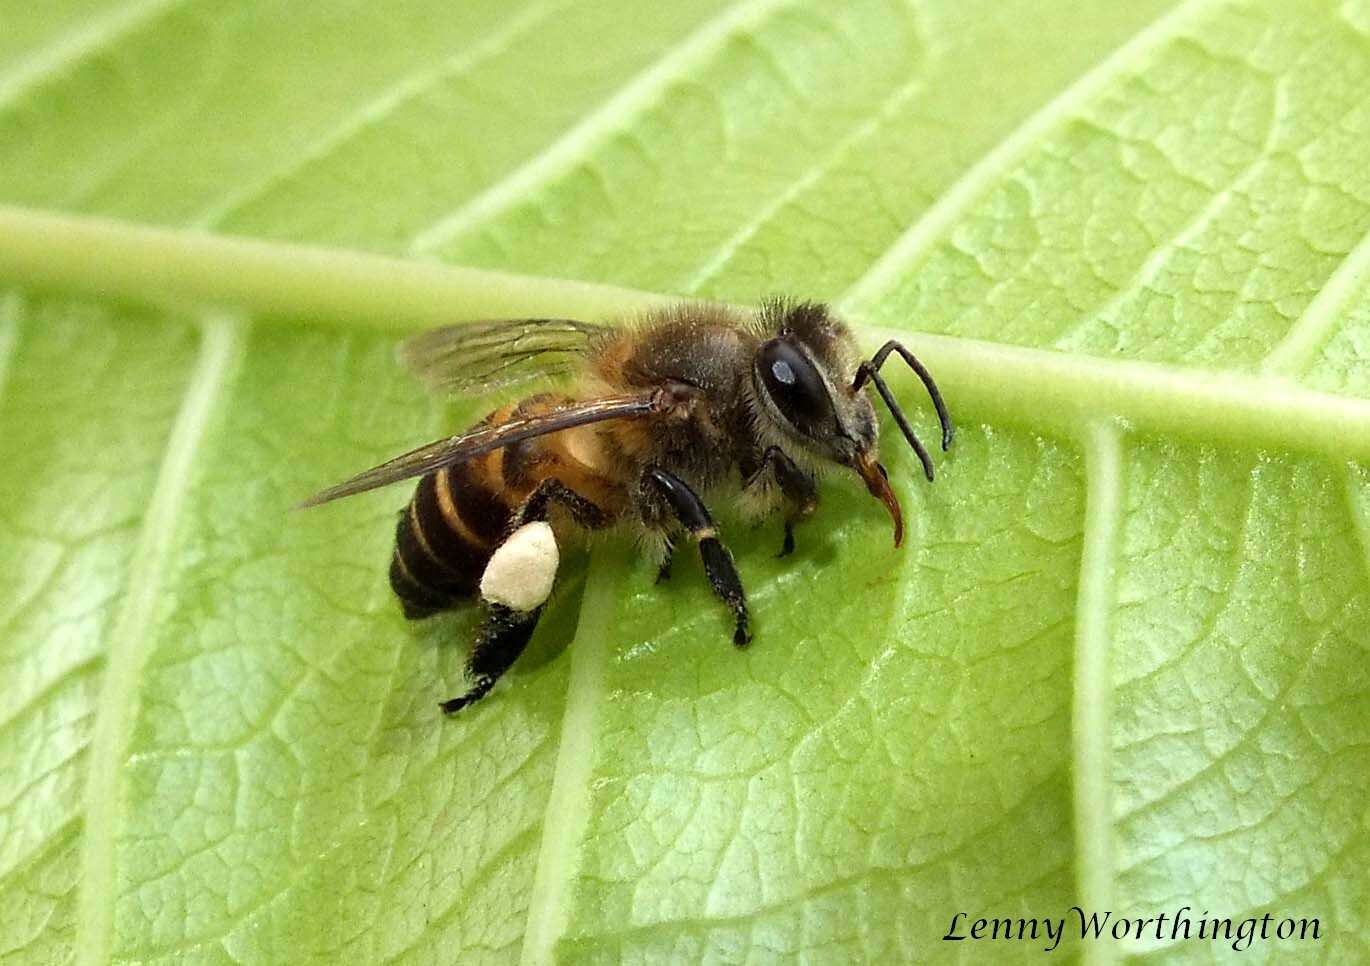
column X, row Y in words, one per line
column 685, row 399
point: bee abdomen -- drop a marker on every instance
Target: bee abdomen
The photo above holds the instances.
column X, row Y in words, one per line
column 444, row 539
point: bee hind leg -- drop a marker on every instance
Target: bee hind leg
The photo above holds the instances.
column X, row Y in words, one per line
column 516, row 583
column 502, row 638
column 549, row 491
column 686, row 506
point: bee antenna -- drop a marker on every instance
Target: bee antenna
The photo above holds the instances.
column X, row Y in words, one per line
column 903, row 422
column 871, row 370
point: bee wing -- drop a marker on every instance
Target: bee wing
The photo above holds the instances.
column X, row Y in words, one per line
column 478, row 357
column 455, row 449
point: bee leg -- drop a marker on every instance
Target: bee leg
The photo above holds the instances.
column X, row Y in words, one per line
column 798, row 487
column 663, row 572
column 687, row 507
column 551, row 491
column 506, row 631
column 801, row 493
column 787, row 545
column 502, row 638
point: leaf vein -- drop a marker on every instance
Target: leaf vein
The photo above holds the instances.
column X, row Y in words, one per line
column 1293, row 355
column 78, row 45
column 915, row 243
column 1037, row 388
column 893, row 874
column 716, row 262
column 1153, row 264
column 378, row 108
column 61, row 835
column 629, row 101
column 1091, row 714
column 11, row 308
column 130, row 640
column 483, row 872
column 568, row 802
column 46, row 691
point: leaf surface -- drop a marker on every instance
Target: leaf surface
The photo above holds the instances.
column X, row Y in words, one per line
column 1120, row 662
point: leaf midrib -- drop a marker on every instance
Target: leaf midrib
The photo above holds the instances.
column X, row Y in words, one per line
column 1036, row 389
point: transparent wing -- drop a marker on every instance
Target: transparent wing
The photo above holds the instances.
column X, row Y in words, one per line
column 478, row 357
column 455, row 449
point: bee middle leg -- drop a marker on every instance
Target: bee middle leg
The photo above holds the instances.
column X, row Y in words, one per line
column 799, row 489
column 663, row 571
column 684, row 504
column 505, row 632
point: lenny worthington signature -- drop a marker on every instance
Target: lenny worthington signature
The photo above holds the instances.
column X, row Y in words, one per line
column 1166, row 927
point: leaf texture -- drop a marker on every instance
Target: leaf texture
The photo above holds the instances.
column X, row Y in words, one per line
column 1120, row 662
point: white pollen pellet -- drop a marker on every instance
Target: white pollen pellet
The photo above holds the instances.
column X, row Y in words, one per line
column 521, row 571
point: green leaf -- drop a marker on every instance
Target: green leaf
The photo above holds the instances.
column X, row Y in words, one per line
column 1120, row 662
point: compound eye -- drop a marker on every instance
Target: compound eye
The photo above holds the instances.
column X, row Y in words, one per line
column 795, row 386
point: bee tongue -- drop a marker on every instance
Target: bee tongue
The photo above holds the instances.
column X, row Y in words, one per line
column 879, row 486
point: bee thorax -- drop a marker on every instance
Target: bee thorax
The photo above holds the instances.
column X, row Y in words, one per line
column 522, row 570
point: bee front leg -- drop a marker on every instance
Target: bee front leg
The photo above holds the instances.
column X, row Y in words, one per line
column 798, row 487
column 661, row 486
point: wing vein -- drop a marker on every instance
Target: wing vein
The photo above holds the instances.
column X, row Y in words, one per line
column 477, row 357
column 485, row 439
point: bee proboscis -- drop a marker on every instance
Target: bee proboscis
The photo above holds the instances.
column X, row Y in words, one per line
column 682, row 400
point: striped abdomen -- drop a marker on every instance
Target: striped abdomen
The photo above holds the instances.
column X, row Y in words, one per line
column 459, row 515
column 445, row 538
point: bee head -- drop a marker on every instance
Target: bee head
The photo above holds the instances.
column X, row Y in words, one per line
column 802, row 377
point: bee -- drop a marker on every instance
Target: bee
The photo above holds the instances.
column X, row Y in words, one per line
column 686, row 399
